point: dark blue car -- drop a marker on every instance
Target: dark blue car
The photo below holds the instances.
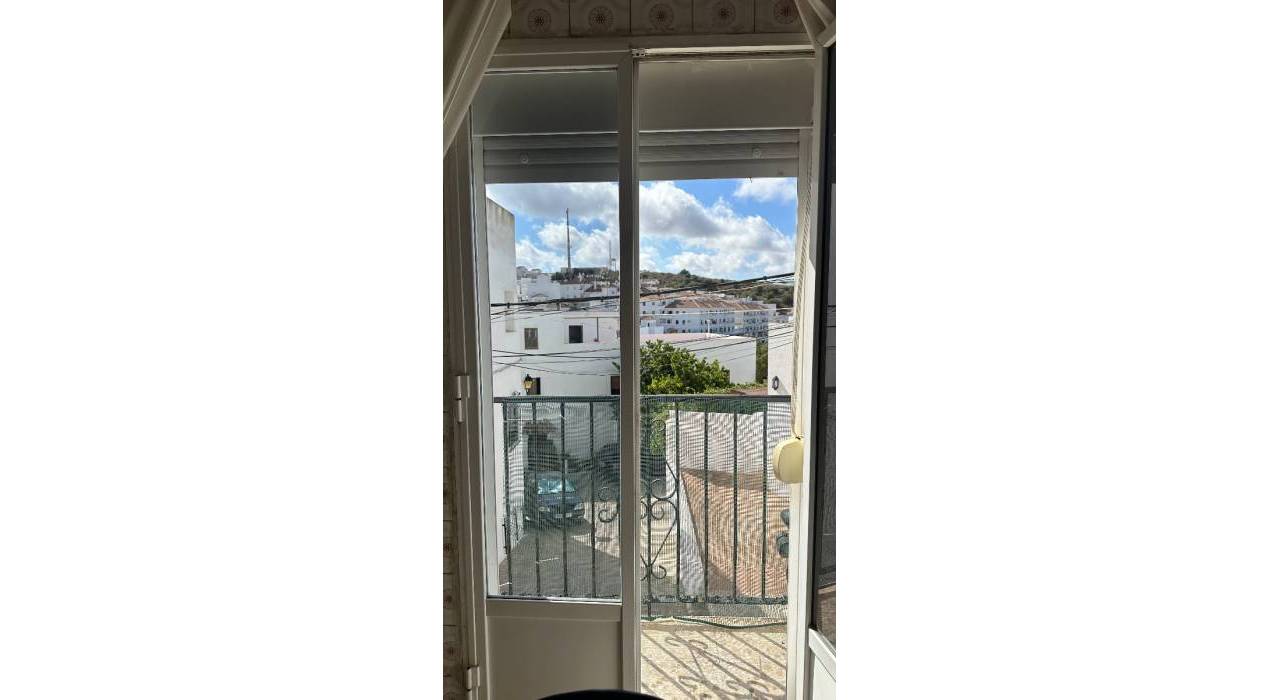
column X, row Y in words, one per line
column 549, row 499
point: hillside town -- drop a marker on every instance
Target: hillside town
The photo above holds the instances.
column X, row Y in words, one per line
column 557, row 333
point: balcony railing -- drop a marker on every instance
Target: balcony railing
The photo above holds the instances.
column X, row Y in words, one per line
column 713, row 526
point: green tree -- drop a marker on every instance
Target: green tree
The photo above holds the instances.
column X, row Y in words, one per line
column 667, row 369
column 762, row 362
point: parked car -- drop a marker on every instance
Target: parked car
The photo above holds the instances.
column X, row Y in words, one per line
column 607, row 465
column 549, row 499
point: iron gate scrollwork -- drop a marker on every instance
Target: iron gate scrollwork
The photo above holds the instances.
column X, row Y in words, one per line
column 711, row 517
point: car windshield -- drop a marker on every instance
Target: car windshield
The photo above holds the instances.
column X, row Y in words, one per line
column 552, row 485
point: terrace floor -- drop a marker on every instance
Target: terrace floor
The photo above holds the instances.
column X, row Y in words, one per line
column 691, row 661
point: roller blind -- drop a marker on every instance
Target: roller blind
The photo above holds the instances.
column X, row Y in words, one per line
column 677, row 155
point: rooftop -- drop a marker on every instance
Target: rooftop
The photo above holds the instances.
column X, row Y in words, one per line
column 709, row 302
column 687, row 337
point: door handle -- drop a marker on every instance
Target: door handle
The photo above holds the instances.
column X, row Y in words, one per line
column 788, row 460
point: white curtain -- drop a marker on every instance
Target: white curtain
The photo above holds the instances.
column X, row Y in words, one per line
column 472, row 29
column 816, row 15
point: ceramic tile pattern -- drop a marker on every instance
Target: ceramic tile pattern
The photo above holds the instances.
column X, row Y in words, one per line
column 661, row 17
column 600, row 17
column 724, row 17
column 540, row 19
column 691, row 661
column 777, row 16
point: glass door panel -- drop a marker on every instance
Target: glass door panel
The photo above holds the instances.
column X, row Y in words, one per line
column 718, row 218
column 548, row 152
column 546, row 167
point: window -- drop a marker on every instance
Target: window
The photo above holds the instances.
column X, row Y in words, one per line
column 615, row 385
column 575, row 335
column 531, row 339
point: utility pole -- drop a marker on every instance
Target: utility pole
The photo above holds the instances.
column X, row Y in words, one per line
column 568, row 245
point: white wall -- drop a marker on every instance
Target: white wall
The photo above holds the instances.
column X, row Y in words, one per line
column 539, row 285
column 528, row 646
column 501, row 226
column 781, row 359
column 584, row 372
column 504, row 332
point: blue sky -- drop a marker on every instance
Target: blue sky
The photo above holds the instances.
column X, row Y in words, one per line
column 728, row 228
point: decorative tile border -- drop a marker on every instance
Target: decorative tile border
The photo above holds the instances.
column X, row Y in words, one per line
column 536, row 19
column 661, row 17
column 539, row 19
column 777, row 16
column 600, row 17
column 724, row 17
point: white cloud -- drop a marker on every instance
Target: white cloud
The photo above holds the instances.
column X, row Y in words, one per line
column 728, row 264
column 649, row 257
column 716, row 240
column 586, row 201
column 713, row 240
column 667, row 210
column 590, row 248
column 767, row 189
column 530, row 255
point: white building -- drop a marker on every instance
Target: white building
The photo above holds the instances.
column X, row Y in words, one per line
column 587, row 289
column 538, row 286
column 710, row 313
column 576, row 353
column 568, row 351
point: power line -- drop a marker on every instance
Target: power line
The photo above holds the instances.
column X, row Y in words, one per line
column 538, row 365
column 548, row 370
column 552, row 371
column 703, row 344
column 701, row 287
column 778, row 332
column 521, row 312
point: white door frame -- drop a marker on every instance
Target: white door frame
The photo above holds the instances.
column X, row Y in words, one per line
column 469, row 351
column 629, row 322
column 798, row 532
column 466, row 417
column 804, row 646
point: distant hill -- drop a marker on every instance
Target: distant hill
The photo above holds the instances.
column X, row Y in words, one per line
column 764, row 292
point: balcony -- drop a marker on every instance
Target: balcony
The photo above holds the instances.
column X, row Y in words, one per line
column 712, row 536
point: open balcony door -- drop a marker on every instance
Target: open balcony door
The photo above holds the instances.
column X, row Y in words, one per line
column 539, row 626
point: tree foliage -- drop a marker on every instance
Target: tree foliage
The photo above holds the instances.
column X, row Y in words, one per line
column 667, row 369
